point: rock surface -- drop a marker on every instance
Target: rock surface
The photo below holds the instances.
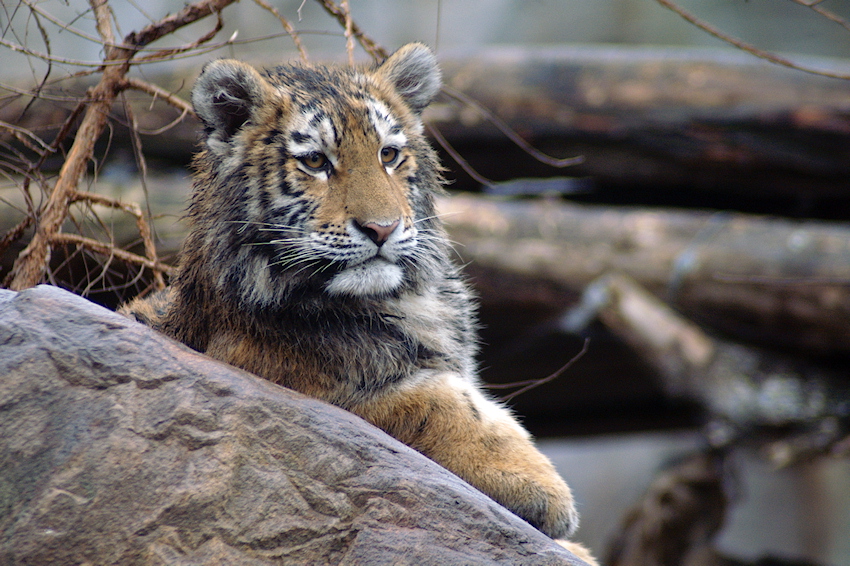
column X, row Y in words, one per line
column 120, row 446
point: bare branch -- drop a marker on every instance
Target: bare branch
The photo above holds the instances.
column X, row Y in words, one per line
column 31, row 264
column 349, row 37
column 296, row 39
column 509, row 132
column 15, row 233
column 141, row 224
column 46, row 56
column 377, row 52
column 64, row 131
column 141, row 163
column 22, row 133
column 459, row 159
column 814, row 5
column 169, row 54
column 59, row 23
column 110, row 250
column 158, row 92
column 188, row 15
column 503, row 127
column 103, row 22
column 46, row 38
column 749, row 48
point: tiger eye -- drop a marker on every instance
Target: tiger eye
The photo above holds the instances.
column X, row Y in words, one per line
column 389, row 155
column 315, row 160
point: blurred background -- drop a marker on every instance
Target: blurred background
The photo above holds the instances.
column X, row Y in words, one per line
column 788, row 26
column 716, row 180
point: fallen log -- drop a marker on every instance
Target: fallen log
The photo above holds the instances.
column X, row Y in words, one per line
column 787, row 410
column 799, row 408
column 711, row 122
column 772, row 281
column 682, row 125
column 677, row 519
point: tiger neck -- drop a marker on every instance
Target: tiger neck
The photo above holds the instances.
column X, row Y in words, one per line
column 343, row 352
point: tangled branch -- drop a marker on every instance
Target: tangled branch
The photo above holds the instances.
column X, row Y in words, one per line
column 31, row 264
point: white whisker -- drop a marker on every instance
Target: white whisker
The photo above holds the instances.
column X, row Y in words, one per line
column 307, row 266
column 439, row 215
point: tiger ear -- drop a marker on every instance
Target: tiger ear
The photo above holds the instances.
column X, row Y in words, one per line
column 226, row 94
column 414, row 73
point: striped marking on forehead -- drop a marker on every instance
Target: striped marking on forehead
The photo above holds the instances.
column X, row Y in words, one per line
column 389, row 130
column 312, row 130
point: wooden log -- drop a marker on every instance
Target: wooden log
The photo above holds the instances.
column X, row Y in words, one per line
column 715, row 125
column 741, row 389
column 676, row 519
column 713, row 121
column 772, row 281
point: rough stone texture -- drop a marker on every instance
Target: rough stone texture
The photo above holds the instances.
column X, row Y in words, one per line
column 120, row 446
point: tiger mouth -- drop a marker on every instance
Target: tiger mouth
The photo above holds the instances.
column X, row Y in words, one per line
column 374, row 276
column 377, row 259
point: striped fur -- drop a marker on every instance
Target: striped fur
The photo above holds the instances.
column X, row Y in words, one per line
column 316, row 259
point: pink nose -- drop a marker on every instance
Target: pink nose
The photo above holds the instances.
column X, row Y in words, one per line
column 377, row 233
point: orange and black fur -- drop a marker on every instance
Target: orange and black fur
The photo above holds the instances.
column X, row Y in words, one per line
column 316, row 259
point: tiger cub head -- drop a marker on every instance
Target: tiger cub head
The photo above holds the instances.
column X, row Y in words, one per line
column 315, row 179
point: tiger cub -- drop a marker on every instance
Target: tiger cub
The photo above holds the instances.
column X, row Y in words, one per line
column 316, row 259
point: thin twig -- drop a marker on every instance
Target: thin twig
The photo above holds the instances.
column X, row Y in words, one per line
column 141, row 164
column 296, row 39
column 158, row 92
column 749, row 48
column 142, row 225
column 368, row 44
column 459, row 159
column 59, row 23
column 184, row 52
column 23, row 133
column 15, row 92
column 110, row 250
column 15, row 233
column 509, row 132
column 46, row 56
column 532, row 383
column 349, row 37
column 166, row 127
column 46, row 38
column 814, row 5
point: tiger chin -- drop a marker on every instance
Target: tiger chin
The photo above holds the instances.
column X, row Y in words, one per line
column 316, row 259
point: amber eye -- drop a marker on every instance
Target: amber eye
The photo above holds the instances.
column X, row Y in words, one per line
column 389, row 155
column 315, row 160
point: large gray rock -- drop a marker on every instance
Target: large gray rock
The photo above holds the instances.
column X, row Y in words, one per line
column 120, row 446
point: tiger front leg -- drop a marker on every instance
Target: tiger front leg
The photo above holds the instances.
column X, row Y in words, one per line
column 449, row 420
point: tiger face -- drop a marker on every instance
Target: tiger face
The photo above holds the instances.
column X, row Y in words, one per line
column 318, row 178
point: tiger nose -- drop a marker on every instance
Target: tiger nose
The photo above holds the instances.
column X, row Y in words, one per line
column 376, row 232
